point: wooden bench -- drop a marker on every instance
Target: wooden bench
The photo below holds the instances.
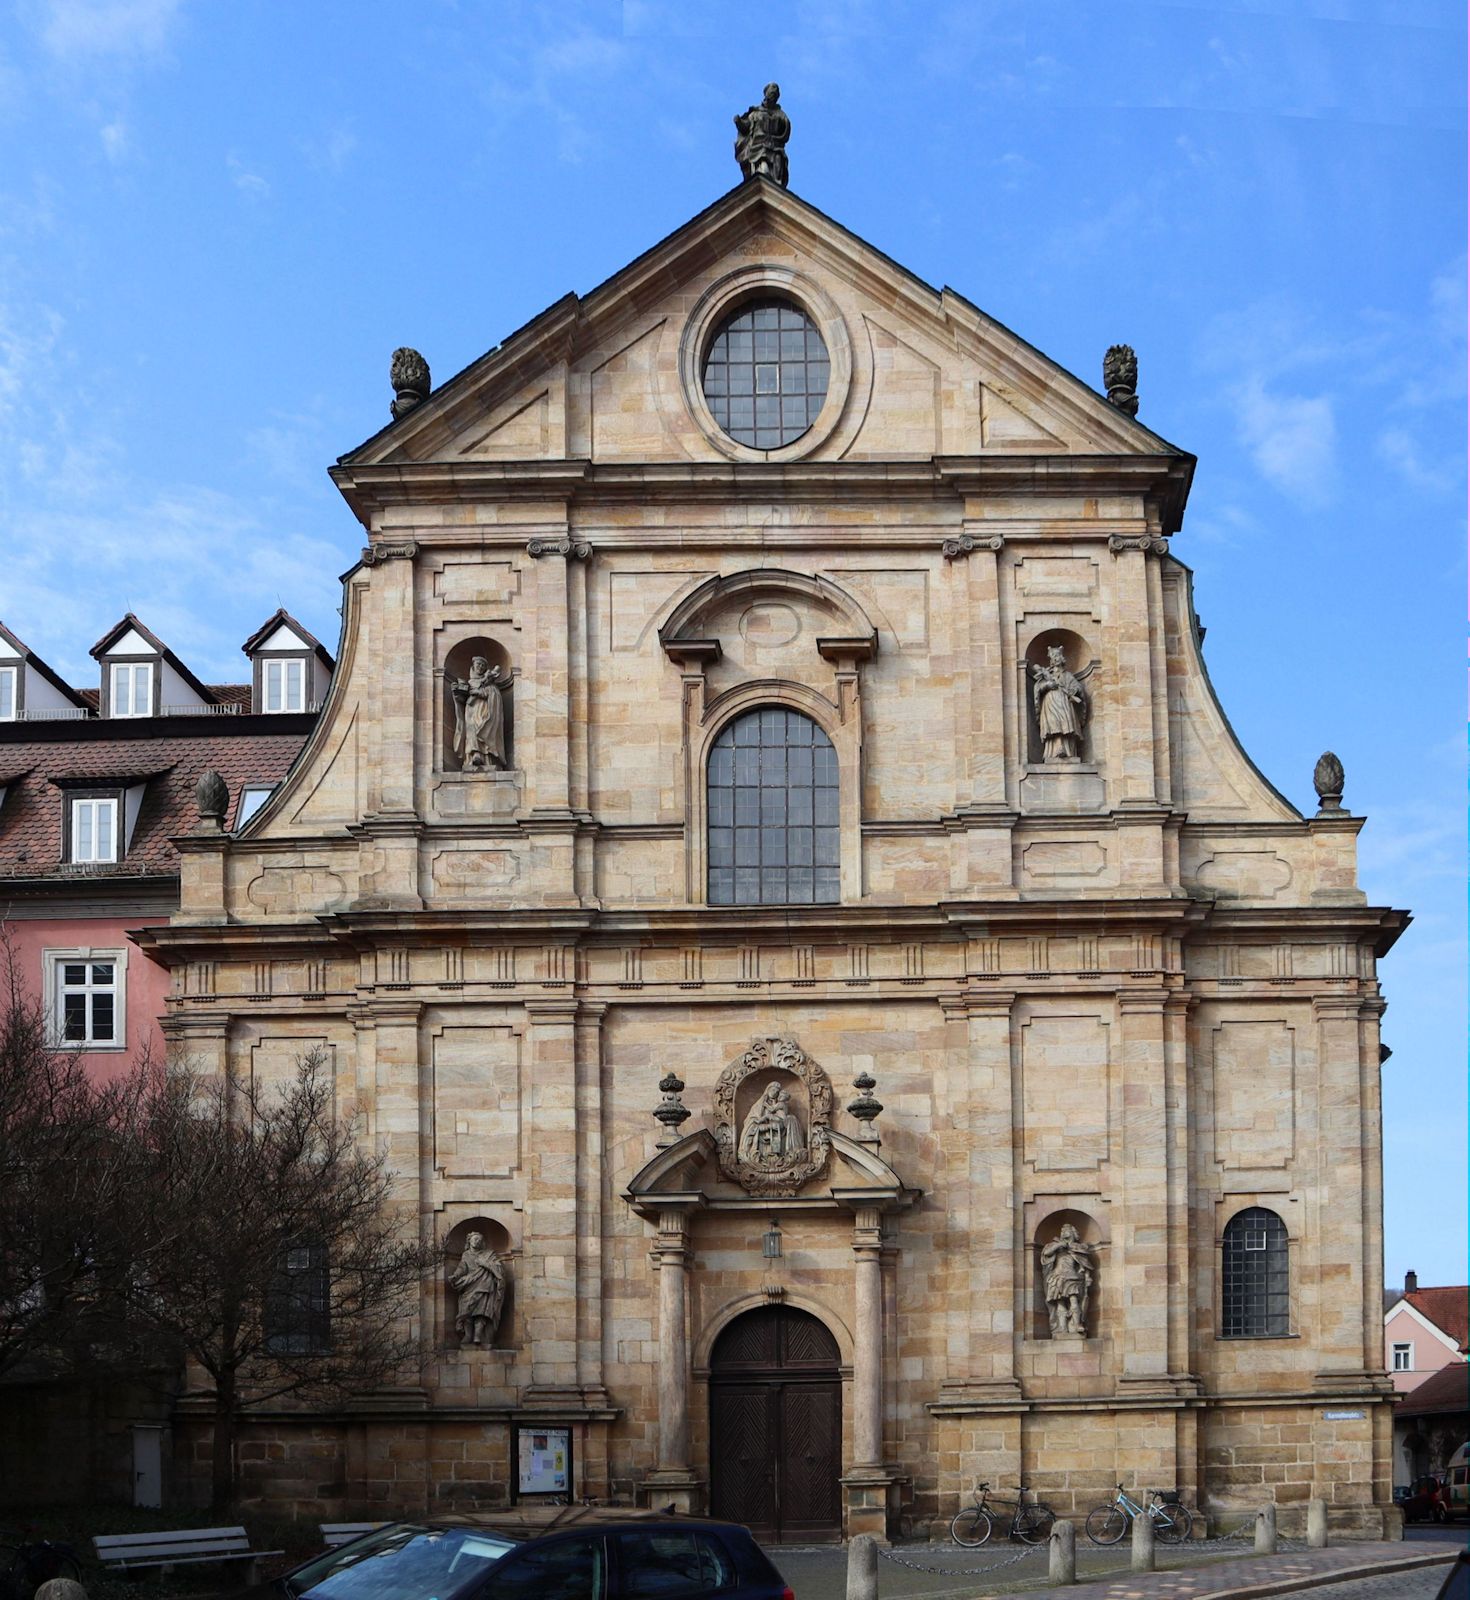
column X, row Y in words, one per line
column 181, row 1547
column 335, row 1533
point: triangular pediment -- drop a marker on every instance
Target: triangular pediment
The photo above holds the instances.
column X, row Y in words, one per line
column 916, row 372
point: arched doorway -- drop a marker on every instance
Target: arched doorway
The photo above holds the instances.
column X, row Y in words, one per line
column 776, row 1426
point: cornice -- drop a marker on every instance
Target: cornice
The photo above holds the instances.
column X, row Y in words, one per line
column 368, row 488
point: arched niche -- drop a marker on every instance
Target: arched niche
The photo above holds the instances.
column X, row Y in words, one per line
column 457, row 666
column 1077, row 657
column 1092, row 1234
column 497, row 1237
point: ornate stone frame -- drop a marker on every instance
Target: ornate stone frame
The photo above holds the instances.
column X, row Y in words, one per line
column 722, row 299
column 764, row 1055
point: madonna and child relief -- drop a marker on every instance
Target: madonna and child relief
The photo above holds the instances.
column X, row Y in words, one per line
column 773, row 1109
column 772, row 1135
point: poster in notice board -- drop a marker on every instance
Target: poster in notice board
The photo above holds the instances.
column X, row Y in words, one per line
column 544, row 1460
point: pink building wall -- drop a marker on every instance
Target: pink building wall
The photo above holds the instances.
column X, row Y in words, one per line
column 146, row 983
column 1431, row 1350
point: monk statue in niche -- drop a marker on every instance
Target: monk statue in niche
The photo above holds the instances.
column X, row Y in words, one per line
column 1069, row 1267
column 479, row 1280
column 1061, row 706
column 479, row 718
column 772, row 1135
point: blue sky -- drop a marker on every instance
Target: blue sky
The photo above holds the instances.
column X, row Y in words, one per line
column 218, row 219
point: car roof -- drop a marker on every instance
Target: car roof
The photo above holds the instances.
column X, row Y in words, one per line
column 531, row 1522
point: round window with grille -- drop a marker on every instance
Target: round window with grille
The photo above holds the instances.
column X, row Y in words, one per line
column 765, row 375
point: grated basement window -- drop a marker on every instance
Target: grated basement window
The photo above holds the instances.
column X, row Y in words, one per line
column 1255, row 1287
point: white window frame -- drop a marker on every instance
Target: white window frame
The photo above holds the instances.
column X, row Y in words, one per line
column 56, row 962
column 9, row 694
column 1403, row 1357
column 98, row 806
column 289, row 688
column 125, row 705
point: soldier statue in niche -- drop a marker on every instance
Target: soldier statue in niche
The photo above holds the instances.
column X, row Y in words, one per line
column 1068, row 1263
column 1061, row 706
column 479, row 718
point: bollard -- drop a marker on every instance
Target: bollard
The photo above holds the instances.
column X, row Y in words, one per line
column 1266, row 1531
column 1317, row 1524
column 862, row 1567
column 1143, row 1543
column 61, row 1589
column 1062, row 1554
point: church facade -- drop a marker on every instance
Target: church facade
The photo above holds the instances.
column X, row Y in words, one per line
column 772, row 873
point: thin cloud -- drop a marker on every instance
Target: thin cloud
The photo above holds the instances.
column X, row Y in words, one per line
column 247, row 182
column 85, row 30
column 1292, row 439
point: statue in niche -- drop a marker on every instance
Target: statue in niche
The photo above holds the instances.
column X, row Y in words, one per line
column 479, row 1280
column 1069, row 1267
column 772, row 1135
column 760, row 147
column 479, row 718
column 1061, row 706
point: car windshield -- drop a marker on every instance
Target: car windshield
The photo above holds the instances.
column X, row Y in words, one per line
column 402, row 1562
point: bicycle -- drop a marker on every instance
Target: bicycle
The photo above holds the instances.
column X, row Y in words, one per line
column 1172, row 1519
column 973, row 1525
column 25, row 1567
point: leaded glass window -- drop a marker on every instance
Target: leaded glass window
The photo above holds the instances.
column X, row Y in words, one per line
column 1255, row 1284
column 298, row 1310
column 765, row 376
column 773, row 830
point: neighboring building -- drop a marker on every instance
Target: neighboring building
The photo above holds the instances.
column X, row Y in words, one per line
column 1426, row 1331
column 771, row 647
column 94, row 785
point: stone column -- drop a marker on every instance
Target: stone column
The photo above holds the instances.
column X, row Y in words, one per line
column 1143, row 1259
column 590, row 1144
column 867, row 1359
column 672, row 1481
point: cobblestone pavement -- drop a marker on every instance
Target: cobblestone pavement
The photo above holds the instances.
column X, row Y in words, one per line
column 1201, row 1573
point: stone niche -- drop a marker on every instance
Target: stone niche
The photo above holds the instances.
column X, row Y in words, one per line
column 508, row 1334
column 1066, row 786
column 1093, row 1235
column 456, row 667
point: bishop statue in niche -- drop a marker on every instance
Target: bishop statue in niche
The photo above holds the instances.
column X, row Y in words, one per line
column 479, row 718
column 1061, row 706
column 772, row 1135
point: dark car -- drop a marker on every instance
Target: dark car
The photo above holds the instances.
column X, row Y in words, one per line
column 565, row 1553
column 1425, row 1501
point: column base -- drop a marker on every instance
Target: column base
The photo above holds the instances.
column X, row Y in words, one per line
column 673, row 1488
column 870, row 1502
column 961, row 1395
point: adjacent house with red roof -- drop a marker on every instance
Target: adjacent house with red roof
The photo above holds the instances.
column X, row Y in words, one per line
column 97, row 780
column 1426, row 1338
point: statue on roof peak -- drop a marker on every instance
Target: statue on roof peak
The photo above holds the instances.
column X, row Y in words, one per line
column 761, row 135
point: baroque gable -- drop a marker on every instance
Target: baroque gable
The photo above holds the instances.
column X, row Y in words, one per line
column 614, row 376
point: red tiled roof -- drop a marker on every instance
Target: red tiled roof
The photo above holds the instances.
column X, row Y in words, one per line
column 1448, row 1309
column 93, row 697
column 30, row 818
column 230, row 694
column 1445, row 1390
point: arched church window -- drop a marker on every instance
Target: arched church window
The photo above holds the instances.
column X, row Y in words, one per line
column 773, row 830
column 1255, row 1283
column 765, row 374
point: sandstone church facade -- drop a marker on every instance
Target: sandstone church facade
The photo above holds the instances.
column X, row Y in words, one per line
column 767, row 699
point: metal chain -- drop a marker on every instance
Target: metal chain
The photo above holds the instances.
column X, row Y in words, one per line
column 961, row 1572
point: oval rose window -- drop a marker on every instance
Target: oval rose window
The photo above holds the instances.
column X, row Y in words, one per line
column 765, row 376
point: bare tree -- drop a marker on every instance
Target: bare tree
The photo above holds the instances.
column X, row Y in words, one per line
column 66, row 1163
column 288, row 1270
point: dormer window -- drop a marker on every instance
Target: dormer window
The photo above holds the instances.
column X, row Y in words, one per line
column 132, row 689
column 93, row 830
column 284, row 683
column 9, row 697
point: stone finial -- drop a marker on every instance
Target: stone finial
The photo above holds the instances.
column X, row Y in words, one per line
column 865, row 1106
column 409, row 375
column 212, row 796
column 1327, row 780
column 761, row 135
column 671, row 1110
column 1120, row 378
